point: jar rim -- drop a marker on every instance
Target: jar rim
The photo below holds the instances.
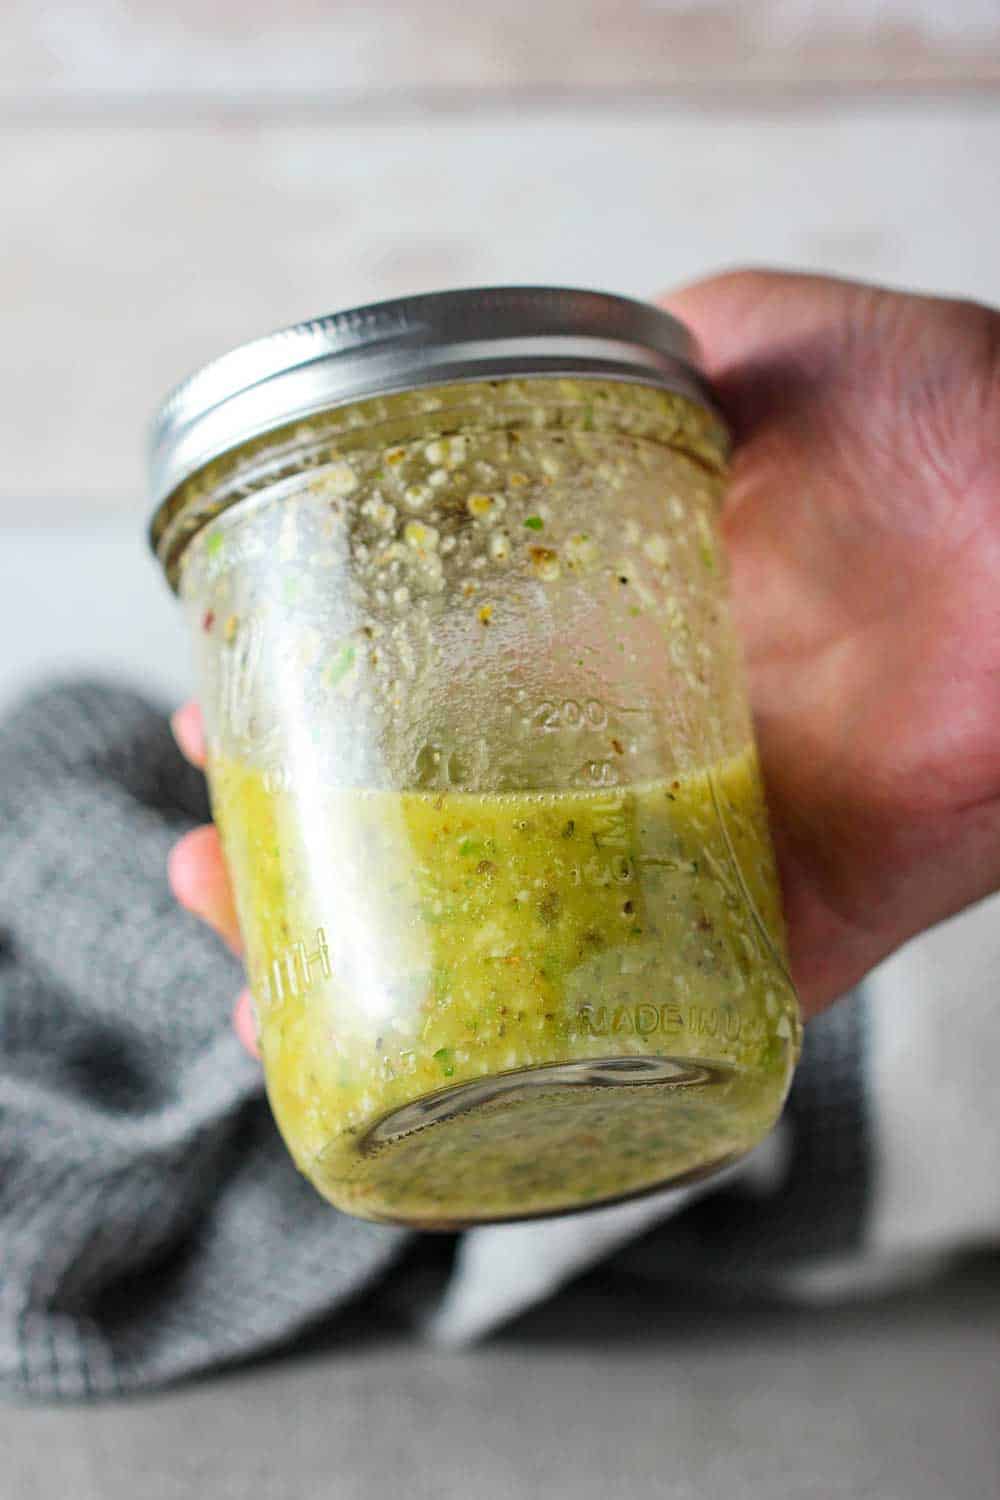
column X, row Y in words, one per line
column 475, row 333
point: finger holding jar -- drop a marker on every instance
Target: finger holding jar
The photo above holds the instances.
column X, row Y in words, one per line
column 198, row 875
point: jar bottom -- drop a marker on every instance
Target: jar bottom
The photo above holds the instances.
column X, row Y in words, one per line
column 548, row 1140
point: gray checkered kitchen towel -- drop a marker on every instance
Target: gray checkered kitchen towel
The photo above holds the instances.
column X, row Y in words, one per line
column 151, row 1222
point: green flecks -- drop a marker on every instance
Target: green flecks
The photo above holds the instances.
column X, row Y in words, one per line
column 706, row 542
column 215, row 543
column 441, row 982
column 468, row 846
column 534, row 523
column 551, row 967
column 341, row 664
column 445, row 1060
column 634, row 611
column 588, row 418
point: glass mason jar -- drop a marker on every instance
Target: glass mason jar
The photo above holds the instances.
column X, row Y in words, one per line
column 479, row 750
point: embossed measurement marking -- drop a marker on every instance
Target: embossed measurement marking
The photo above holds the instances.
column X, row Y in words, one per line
column 551, row 717
column 277, row 778
column 294, row 970
column 240, row 666
column 599, row 872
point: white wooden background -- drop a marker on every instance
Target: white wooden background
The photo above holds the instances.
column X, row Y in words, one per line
column 178, row 175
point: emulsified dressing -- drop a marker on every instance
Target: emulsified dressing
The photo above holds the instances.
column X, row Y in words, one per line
column 584, row 994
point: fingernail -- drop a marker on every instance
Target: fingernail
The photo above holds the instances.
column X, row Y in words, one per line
column 245, row 1023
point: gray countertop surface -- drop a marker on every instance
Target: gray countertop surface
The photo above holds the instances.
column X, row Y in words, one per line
column 611, row 1391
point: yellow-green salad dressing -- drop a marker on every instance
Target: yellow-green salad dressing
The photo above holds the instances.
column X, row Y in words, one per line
column 633, row 933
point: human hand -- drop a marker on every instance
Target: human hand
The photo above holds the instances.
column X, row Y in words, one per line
column 863, row 525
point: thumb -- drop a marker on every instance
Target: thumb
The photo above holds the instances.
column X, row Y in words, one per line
column 746, row 316
column 783, row 350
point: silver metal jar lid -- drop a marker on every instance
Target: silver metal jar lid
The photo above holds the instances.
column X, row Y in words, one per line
column 474, row 334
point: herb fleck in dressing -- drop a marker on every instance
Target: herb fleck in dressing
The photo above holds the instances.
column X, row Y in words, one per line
column 585, row 993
